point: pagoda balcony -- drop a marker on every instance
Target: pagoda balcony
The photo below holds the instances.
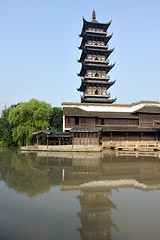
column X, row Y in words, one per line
column 96, row 61
column 95, row 31
column 108, row 95
column 98, row 78
column 96, row 46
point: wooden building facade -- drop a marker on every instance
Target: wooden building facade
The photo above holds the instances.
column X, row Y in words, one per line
column 118, row 122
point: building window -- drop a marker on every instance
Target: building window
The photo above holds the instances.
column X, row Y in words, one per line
column 76, row 120
column 102, row 121
column 96, row 91
column 68, row 119
column 83, row 120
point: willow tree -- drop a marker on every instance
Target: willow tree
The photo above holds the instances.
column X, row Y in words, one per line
column 28, row 117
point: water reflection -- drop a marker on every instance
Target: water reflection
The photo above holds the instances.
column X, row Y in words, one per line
column 94, row 175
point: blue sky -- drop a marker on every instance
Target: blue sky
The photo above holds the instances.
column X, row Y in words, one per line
column 39, row 49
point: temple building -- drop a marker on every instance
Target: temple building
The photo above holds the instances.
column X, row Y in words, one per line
column 95, row 64
column 98, row 122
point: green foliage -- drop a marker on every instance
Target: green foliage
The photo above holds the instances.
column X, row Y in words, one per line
column 56, row 121
column 28, row 117
column 6, row 138
column 25, row 174
column 19, row 121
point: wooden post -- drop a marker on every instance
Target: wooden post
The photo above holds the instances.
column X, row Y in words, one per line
column 47, row 142
column 156, row 136
column 73, row 138
column 76, row 138
column 126, row 136
column 37, row 140
column 59, row 141
column 94, row 138
column 87, row 138
column 111, row 136
column 98, row 138
column 80, row 137
column 141, row 136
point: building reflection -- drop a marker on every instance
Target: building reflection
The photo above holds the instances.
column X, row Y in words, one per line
column 94, row 175
column 97, row 177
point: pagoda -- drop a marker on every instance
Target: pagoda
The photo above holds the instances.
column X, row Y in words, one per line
column 95, row 64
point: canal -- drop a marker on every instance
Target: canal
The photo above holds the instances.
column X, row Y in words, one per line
column 80, row 196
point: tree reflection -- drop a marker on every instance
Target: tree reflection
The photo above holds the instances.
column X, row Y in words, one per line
column 25, row 174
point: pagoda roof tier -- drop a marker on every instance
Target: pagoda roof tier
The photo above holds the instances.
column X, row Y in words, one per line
column 94, row 37
column 89, row 33
column 95, row 47
column 94, row 24
column 84, row 83
column 96, row 51
column 101, row 67
column 97, row 100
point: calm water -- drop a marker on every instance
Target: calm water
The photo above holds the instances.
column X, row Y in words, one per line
column 79, row 196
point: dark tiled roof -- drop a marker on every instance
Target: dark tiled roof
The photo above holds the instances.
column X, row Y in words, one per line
column 128, row 129
column 77, row 112
column 86, row 129
column 61, row 134
column 149, row 109
column 115, row 115
column 44, row 131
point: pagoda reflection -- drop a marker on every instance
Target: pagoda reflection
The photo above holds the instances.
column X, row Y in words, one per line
column 96, row 207
column 95, row 215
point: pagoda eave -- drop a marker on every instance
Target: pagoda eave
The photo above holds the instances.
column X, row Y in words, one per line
column 94, row 24
column 103, row 101
column 89, row 36
column 86, row 67
column 86, row 51
column 95, row 83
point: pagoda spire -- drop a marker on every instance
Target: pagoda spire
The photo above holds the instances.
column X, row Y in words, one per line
column 93, row 15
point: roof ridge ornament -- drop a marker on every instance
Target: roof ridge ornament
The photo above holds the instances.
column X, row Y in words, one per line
column 93, row 15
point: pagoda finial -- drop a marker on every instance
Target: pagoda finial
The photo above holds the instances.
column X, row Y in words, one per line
column 94, row 15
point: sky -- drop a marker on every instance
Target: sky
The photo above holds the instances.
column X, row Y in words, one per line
column 39, row 42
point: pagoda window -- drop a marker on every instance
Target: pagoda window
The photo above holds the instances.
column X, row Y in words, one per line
column 76, row 120
column 96, row 58
column 96, row 92
column 89, row 73
column 96, row 75
column 103, row 74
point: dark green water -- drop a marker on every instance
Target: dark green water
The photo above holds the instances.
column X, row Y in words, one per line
column 113, row 195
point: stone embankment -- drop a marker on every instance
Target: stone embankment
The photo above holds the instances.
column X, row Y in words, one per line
column 63, row 148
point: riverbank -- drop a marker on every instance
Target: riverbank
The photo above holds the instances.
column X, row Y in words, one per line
column 141, row 146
